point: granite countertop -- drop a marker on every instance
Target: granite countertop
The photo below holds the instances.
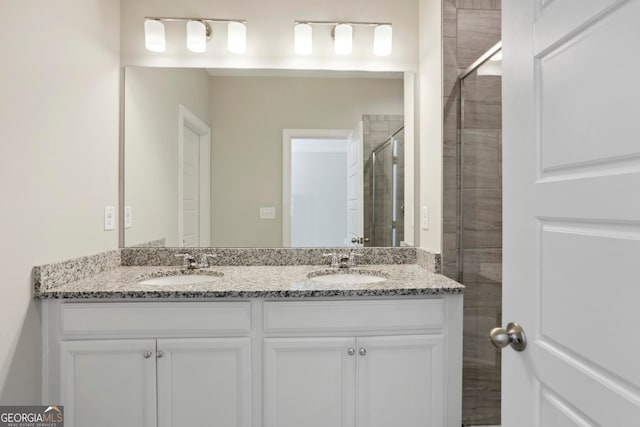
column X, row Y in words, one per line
column 252, row 282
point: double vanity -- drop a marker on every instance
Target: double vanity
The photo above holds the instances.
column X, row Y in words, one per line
column 272, row 338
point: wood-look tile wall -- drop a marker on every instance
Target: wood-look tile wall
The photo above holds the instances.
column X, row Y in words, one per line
column 470, row 27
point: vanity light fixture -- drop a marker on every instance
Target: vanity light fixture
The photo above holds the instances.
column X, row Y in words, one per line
column 343, row 39
column 199, row 32
column 303, row 38
column 343, row 36
column 154, row 35
column 237, row 37
column 382, row 40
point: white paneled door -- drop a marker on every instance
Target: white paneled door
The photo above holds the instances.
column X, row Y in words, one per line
column 191, row 189
column 572, row 212
column 194, row 180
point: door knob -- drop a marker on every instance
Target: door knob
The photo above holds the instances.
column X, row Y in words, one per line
column 513, row 336
column 147, row 354
column 362, row 351
column 351, row 351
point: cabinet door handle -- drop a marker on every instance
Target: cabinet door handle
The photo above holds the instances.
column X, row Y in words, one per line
column 160, row 354
column 147, row 354
column 351, row 351
column 362, row 351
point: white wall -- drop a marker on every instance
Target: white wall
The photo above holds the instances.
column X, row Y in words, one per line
column 270, row 33
column 59, row 83
column 430, row 124
column 248, row 116
column 152, row 97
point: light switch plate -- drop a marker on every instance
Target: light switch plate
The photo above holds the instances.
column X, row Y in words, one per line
column 425, row 218
column 128, row 217
column 268, row 213
column 109, row 218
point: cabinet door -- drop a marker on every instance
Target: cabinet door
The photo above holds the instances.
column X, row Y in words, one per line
column 401, row 381
column 109, row 383
column 309, row 382
column 204, row 382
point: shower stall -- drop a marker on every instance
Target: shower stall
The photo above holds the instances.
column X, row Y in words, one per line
column 479, row 232
column 387, row 216
column 383, row 179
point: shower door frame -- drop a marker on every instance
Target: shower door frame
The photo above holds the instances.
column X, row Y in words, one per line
column 388, row 141
column 461, row 79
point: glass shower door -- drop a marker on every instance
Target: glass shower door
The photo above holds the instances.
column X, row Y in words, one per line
column 387, row 224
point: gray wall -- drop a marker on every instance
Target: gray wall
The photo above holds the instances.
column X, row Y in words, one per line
column 59, row 114
column 470, row 28
column 247, row 141
column 152, row 97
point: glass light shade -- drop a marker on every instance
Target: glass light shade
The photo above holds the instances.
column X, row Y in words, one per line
column 343, row 39
column 303, row 40
column 196, row 36
column 382, row 40
column 237, row 37
column 154, row 35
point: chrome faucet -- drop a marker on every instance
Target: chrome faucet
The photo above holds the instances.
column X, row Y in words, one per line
column 343, row 260
column 191, row 263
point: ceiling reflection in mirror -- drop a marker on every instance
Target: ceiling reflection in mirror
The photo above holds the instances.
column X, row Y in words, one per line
column 264, row 158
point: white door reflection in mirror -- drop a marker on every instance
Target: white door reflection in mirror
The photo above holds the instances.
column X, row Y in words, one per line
column 315, row 202
column 194, row 142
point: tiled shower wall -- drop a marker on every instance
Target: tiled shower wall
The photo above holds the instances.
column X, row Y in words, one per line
column 470, row 28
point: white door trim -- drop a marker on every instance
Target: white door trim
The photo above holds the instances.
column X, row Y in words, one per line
column 287, row 135
column 193, row 122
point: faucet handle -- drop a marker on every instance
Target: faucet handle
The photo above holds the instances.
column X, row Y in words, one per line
column 189, row 259
column 204, row 260
column 334, row 258
column 352, row 258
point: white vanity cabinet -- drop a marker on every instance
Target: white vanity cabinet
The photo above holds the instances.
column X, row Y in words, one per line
column 369, row 363
column 172, row 364
column 92, row 370
column 118, row 382
column 313, row 362
column 378, row 381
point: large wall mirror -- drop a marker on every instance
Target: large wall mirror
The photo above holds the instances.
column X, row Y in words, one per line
column 265, row 158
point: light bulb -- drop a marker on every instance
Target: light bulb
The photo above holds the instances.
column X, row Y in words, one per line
column 237, row 37
column 196, row 36
column 303, row 40
column 154, row 35
column 382, row 40
column 343, row 39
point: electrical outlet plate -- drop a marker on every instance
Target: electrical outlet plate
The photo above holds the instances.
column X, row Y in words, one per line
column 425, row 218
column 109, row 218
column 128, row 217
column 268, row 213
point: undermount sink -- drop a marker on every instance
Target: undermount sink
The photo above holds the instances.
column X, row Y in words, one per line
column 348, row 276
column 181, row 277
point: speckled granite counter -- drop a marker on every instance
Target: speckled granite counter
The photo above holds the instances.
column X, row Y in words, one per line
column 252, row 282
